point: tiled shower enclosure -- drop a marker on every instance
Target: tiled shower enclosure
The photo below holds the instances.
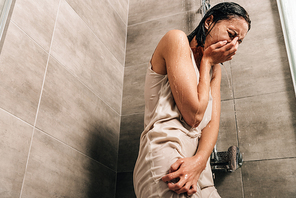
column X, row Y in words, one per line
column 258, row 101
column 71, row 104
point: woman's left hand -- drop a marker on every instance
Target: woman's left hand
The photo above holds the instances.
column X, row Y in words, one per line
column 185, row 172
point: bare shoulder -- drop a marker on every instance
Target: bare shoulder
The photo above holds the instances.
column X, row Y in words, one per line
column 175, row 38
column 173, row 44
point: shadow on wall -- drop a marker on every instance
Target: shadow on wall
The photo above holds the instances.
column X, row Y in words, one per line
column 102, row 175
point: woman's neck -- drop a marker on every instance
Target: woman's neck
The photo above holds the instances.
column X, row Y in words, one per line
column 197, row 53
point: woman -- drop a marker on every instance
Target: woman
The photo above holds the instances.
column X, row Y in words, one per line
column 182, row 105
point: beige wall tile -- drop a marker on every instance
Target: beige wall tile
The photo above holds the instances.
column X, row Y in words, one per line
column 229, row 184
column 130, row 131
column 14, row 147
column 226, row 86
column 105, row 22
column 70, row 112
column 83, row 54
column 266, row 126
column 227, row 132
column 133, row 89
column 270, row 178
column 143, row 38
column 261, row 64
column 121, row 7
column 57, row 170
column 37, row 19
column 22, row 68
column 142, row 11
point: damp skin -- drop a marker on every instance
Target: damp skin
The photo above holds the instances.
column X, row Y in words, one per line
column 227, row 30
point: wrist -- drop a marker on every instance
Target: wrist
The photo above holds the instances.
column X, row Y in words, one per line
column 207, row 61
column 201, row 157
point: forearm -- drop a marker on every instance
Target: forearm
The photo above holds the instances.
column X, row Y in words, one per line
column 203, row 89
column 210, row 132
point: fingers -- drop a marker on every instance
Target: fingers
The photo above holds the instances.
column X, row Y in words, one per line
column 232, row 44
column 219, row 44
column 184, row 189
column 175, row 166
column 171, row 176
column 173, row 173
column 179, row 186
column 231, row 48
column 192, row 190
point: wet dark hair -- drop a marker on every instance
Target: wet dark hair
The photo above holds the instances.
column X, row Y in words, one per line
column 221, row 11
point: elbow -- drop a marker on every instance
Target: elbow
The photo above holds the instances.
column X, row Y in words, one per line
column 195, row 113
column 195, row 119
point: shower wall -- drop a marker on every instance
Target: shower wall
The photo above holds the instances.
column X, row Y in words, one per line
column 61, row 81
column 259, row 110
column 258, row 104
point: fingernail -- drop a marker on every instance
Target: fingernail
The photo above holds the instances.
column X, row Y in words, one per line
column 224, row 42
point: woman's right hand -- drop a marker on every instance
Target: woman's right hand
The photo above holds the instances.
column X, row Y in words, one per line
column 220, row 52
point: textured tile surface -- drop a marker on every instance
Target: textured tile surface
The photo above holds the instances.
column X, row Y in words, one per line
column 266, row 126
column 36, row 19
column 105, row 22
column 143, row 38
column 226, row 81
column 229, row 184
column 270, row 178
column 130, row 132
column 56, row 170
column 14, row 147
column 142, row 11
column 22, row 67
column 74, row 115
column 261, row 64
column 133, row 89
column 121, row 7
column 83, row 54
column 227, row 132
column 124, row 185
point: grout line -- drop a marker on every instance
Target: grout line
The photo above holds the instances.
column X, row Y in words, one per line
column 280, row 158
column 85, row 85
column 14, row 23
column 120, row 114
column 236, row 126
column 225, row 100
column 119, row 14
column 39, row 102
column 65, row 144
column 77, row 78
column 234, row 107
column 9, row 113
column 124, row 59
column 242, row 183
column 155, row 19
column 262, row 94
column 116, row 58
column 138, row 113
column 100, row 39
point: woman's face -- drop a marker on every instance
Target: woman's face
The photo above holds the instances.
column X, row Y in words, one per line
column 226, row 30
